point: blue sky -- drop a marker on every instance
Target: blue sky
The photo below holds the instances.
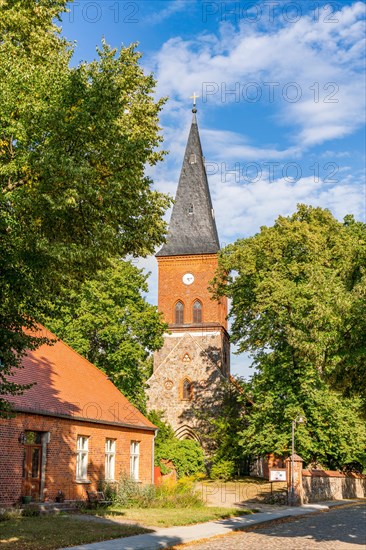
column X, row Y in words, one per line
column 282, row 100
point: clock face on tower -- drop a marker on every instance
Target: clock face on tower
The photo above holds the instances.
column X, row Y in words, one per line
column 188, row 278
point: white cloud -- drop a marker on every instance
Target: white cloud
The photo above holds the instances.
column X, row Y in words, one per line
column 234, row 147
column 324, row 59
column 244, row 208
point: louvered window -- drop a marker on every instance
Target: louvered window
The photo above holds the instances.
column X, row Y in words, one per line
column 179, row 313
column 197, row 312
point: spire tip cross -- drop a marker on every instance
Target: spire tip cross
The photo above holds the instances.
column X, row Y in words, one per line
column 194, row 97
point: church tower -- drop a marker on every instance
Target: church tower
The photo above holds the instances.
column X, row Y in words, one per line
column 195, row 358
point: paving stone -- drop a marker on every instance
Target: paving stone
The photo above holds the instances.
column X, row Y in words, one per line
column 336, row 529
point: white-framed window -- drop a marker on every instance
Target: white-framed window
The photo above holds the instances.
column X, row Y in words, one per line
column 110, row 458
column 134, row 459
column 82, row 457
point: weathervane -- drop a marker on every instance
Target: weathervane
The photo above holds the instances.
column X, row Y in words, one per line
column 194, row 97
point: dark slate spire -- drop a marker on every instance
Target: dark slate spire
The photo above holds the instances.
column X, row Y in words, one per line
column 192, row 228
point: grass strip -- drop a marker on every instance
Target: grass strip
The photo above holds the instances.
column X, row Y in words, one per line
column 169, row 517
column 52, row 532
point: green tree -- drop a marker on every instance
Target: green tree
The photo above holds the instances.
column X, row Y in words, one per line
column 350, row 371
column 295, row 288
column 220, row 427
column 109, row 322
column 165, row 432
column 74, row 143
column 334, row 434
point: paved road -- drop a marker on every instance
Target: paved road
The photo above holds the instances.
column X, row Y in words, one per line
column 339, row 529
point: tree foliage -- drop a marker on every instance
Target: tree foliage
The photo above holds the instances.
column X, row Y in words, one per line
column 165, row 432
column 334, row 434
column 349, row 373
column 223, row 469
column 220, row 427
column 108, row 321
column 296, row 291
column 74, row 143
column 226, row 427
column 186, row 455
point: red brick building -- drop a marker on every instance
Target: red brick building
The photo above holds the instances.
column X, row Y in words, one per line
column 71, row 430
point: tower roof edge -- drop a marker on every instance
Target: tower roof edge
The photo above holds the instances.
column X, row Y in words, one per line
column 192, row 228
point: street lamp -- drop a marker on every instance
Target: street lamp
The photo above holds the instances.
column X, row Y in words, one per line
column 297, row 420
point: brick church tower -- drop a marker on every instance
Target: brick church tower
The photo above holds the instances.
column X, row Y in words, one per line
column 195, row 358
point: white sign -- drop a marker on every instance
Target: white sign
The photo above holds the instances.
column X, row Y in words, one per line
column 277, row 475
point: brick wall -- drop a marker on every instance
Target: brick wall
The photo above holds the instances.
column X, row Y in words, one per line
column 61, row 454
column 321, row 485
column 261, row 465
column 172, row 289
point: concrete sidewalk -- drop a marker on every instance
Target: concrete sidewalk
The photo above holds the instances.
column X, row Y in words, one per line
column 171, row 536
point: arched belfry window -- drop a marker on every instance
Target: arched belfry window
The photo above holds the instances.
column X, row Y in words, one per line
column 187, row 390
column 197, row 312
column 179, row 313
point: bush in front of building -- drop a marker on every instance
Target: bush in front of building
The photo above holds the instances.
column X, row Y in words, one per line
column 130, row 494
column 30, row 511
column 186, row 455
column 223, row 469
column 177, row 494
column 7, row 514
column 170, row 494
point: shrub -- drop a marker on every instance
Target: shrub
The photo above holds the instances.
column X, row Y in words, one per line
column 170, row 494
column 32, row 510
column 165, row 432
column 180, row 494
column 8, row 514
column 126, row 492
column 186, row 455
column 223, row 469
column 109, row 489
column 164, row 469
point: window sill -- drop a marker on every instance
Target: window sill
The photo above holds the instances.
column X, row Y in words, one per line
column 81, row 481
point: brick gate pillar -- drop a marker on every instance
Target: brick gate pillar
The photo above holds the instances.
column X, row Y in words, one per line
column 294, row 482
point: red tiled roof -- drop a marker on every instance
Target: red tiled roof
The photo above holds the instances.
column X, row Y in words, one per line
column 68, row 385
